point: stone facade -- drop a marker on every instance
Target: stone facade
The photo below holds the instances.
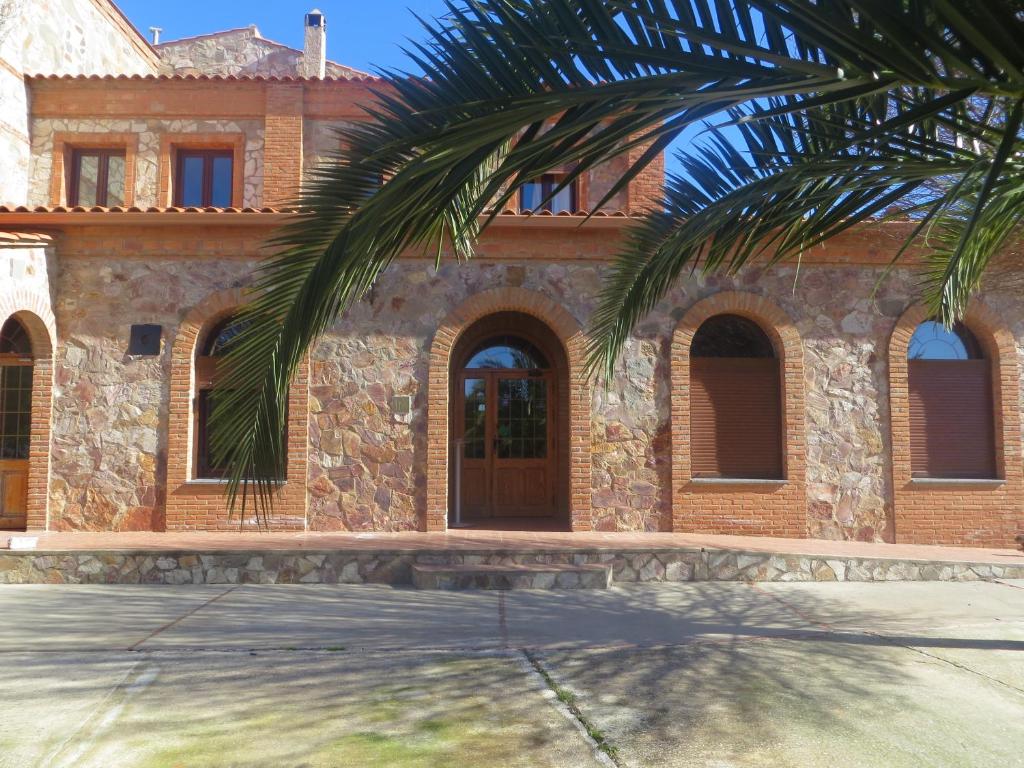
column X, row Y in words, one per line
column 52, row 139
column 367, row 468
column 55, row 37
column 238, row 52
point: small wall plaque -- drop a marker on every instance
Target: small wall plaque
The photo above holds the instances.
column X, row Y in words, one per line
column 144, row 340
column 401, row 405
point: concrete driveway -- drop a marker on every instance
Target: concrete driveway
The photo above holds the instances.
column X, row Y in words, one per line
column 712, row 675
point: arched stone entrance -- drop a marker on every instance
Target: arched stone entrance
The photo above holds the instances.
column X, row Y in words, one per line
column 512, row 321
column 507, row 420
column 25, row 391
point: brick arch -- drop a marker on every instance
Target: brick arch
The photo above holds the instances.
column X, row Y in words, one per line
column 569, row 332
column 763, row 508
column 980, row 514
column 33, row 311
column 199, row 505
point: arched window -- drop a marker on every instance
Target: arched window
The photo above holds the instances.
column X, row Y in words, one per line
column 16, row 366
column 216, row 342
column 15, row 393
column 735, row 401
column 509, row 352
column 952, row 429
column 14, row 339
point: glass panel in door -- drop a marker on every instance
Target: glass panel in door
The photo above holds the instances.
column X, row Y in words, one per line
column 523, row 472
column 475, row 479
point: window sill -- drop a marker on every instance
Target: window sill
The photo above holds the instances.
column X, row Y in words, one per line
column 214, row 482
column 744, row 481
column 938, row 482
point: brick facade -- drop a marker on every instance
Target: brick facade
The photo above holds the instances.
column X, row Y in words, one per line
column 774, row 508
column 980, row 513
column 194, row 504
column 568, row 331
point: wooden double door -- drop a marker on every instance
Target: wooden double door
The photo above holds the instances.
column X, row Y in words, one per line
column 15, row 431
column 505, row 429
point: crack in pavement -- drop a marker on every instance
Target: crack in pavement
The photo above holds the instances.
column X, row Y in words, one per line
column 604, row 750
column 181, row 618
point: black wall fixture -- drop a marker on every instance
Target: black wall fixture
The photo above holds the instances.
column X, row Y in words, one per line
column 145, row 340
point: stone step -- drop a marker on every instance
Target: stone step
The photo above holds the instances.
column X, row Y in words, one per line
column 518, row 576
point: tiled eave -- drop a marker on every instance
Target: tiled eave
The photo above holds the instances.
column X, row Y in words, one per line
column 24, row 239
column 61, row 216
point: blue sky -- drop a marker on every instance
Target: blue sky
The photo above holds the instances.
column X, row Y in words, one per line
column 364, row 34
column 360, row 33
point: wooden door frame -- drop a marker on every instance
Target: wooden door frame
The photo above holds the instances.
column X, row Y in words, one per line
column 18, row 465
column 458, row 373
column 491, row 376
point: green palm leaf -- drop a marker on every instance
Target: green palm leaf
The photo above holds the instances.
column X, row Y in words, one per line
column 823, row 114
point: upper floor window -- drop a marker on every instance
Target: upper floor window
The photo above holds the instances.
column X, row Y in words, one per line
column 97, row 177
column 735, row 401
column 204, row 178
column 952, row 424
column 536, row 196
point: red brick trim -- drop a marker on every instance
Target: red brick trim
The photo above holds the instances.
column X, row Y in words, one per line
column 201, row 506
column 65, row 141
column 968, row 514
column 570, row 334
column 33, row 310
column 282, row 143
column 768, row 509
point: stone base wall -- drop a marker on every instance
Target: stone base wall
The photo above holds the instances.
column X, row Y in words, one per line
column 333, row 567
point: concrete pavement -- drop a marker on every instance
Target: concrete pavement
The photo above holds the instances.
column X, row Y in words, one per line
column 713, row 675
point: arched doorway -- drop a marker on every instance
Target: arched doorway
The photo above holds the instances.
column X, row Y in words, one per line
column 16, row 366
column 508, row 419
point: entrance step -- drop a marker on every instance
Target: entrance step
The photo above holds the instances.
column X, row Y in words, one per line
column 518, row 576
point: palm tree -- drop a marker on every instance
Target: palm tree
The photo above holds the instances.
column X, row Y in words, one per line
column 818, row 115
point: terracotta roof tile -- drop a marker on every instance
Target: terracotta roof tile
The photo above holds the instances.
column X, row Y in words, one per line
column 24, row 238
column 135, row 209
column 508, row 212
column 355, row 78
column 580, row 214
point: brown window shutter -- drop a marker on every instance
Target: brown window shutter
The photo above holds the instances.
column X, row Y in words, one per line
column 952, row 431
column 735, row 417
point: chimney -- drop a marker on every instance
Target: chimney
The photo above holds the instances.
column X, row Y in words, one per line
column 314, row 52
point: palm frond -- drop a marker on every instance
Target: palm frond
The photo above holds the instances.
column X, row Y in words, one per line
column 847, row 110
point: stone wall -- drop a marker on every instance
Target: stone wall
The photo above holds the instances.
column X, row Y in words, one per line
column 110, row 409
column 237, row 52
column 54, row 37
column 148, row 157
column 365, row 460
column 367, row 464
